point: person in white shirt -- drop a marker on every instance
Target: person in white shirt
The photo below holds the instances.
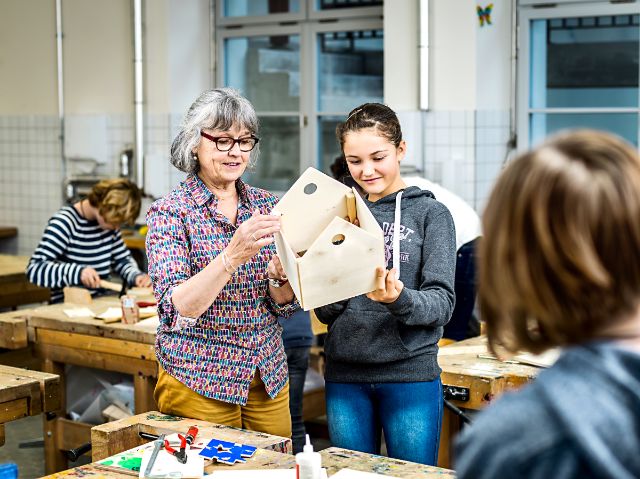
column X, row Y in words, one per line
column 467, row 223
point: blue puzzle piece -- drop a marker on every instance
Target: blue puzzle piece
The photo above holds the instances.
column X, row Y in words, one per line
column 227, row 452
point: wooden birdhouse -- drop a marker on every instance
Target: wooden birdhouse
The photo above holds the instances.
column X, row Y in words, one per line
column 327, row 258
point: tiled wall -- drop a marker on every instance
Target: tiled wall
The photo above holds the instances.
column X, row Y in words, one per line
column 448, row 151
column 462, row 150
column 31, row 178
column 32, row 172
column 492, row 137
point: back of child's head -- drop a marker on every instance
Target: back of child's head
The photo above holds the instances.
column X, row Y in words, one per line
column 371, row 115
column 560, row 257
column 117, row 200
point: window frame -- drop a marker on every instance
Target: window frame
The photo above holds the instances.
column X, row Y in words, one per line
column 528, row 13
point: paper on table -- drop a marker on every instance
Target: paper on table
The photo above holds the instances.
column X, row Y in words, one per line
column 351, row 474
column 542, row 360
column 167, row 465
column 147, row 312
column 253, row 474
column 79, row 313
column 110, row 313
column 260, row 473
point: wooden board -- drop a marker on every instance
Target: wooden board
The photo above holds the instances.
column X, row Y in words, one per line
column 53, row 317
column 15, row 288
column 13, row 330
column 49, row 385
column 114, row 437
column 465, row 364
column 12, row 268
column 13, row 388
column 339, row 259
column 8, row 232
column 25, row 393
column 331, row 272
column 335, row 458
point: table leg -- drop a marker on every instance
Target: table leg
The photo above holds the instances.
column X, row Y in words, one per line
column 54, row 458
column 143, row 387
column 450, row 428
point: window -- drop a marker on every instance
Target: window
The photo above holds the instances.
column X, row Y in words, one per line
column 581, row 63
column 304, row 65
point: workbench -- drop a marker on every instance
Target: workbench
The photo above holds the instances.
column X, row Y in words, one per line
column 26, row 393
column 119, row 436
column 59, row 340
column 472, row 378
column 15, row 288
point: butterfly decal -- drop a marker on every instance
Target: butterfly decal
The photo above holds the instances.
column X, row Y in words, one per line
column 484, row 14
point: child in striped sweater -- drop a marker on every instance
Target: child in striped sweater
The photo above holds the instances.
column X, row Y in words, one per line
column 82, row 244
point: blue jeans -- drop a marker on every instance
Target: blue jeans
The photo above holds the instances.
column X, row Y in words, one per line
column 409, row 414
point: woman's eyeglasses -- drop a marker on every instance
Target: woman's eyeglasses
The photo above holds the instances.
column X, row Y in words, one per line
column 225, row 143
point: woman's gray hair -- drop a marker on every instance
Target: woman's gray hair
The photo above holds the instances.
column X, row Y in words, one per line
column 218, row 109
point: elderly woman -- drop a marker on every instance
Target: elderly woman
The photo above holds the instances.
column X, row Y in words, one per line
column 219, row 285
column 82, row 243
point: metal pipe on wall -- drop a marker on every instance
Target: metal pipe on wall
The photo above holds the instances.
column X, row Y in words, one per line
column 423, row 52
column 60, row 73
column 138, row 92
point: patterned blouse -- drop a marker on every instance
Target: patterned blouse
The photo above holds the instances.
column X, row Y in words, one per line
column 217, row 354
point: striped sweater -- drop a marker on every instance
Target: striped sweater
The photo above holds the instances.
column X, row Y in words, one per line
column 69, row 244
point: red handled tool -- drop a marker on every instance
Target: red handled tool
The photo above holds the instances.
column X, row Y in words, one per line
column 181, row 455
column 191, row 434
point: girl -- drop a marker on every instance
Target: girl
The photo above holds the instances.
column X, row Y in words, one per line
column 382, row 372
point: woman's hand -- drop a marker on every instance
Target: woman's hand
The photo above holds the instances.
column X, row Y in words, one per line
column 275, row 269
column 251, row 236
column 142, row 281
column 282, row 294
column 89, row 278
column 388, row 287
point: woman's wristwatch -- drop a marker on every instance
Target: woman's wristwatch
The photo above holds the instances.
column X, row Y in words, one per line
column 277, row 283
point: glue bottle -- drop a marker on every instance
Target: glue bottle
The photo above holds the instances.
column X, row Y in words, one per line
column 308, row 463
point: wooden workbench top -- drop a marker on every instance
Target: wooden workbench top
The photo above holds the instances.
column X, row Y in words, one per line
column 469, row 364
column 8, row 232
column 26, row 393
column 113, row 438
column 53, row 317
column 12, row 267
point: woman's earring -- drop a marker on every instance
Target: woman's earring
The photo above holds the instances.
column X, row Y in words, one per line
column 194, row 155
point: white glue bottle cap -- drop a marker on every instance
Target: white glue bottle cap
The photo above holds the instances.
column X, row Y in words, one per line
column 308, row 447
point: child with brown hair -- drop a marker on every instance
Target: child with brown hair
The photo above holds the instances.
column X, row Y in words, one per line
column 560, row 267
column 382, row 373
column 82, row 242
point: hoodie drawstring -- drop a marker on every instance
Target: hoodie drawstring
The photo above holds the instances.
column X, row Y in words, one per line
column 396, row 234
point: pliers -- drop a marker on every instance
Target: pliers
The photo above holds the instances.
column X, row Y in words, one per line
column 181, row 455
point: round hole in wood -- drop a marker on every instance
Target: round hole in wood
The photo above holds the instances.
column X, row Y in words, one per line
column 337, row 239
column 310, row 188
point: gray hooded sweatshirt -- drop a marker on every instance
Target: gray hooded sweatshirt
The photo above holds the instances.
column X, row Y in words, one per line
column 372, row 342
column 578, row 419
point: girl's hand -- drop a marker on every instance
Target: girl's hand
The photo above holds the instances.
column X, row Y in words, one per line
column 142, row 281
column 275, row 269
column 251, row 236
column 89, row 278
column 388, row 288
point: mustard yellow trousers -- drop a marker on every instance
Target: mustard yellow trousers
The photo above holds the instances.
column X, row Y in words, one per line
column 261, row 413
